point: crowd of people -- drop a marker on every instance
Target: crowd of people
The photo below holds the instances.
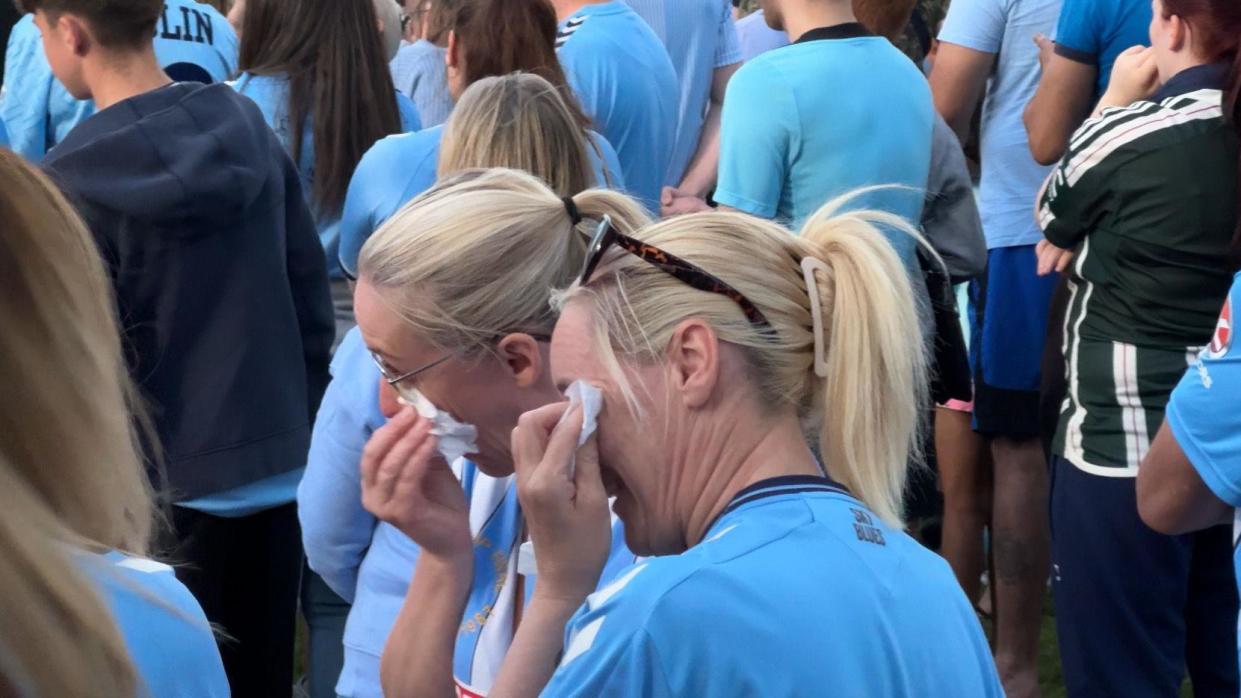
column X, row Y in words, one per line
column 603, row 347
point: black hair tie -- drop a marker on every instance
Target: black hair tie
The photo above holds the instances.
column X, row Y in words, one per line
column 571, row 209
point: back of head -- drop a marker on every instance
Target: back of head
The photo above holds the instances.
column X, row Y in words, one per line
column 498, row 37
column 116, row 24
column 333, row 56
column 887, row 18
column 478, row 255
column 863, row 400
column 70, row 470
column 517, row 121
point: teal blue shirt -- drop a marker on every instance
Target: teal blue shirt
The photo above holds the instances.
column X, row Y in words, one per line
column 271, row 94
column 626, row 83
column 797, row 590
column 837, row 111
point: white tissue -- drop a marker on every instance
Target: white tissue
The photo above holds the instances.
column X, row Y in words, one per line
column 591, row 400
column 454, row 439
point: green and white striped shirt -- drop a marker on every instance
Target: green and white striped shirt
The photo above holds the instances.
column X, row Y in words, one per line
column 1148, row 195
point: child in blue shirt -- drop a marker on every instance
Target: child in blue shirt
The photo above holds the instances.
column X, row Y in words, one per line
column 628, row 87
column 193, row 42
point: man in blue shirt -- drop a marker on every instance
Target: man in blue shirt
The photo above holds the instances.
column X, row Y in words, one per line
column 193, row 43
column 702, row 43
column 838, row 110
column 1191, row 478
column 987, row 47
column 626, row 84
column 1076, row 67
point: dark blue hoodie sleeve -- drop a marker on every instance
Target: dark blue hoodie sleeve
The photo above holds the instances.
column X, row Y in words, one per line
column 312, row 298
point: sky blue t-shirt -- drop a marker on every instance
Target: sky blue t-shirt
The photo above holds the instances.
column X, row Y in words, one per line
column 1010, row 177
column 625, row 81
column 399, row 168
column 837, row 111
column 1095, row 32
column 193, row 42
column 700, row 37
column 418, row 72
column 797, row 590
column 271, row 94
column 756, row 38
column 1204, row 413
column 164, row 629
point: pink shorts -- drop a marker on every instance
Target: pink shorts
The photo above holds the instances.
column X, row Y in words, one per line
column 959, row 406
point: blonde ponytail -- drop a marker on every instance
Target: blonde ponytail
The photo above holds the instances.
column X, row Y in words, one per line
column 477, row 256
column 872, row 385
column 861, row 402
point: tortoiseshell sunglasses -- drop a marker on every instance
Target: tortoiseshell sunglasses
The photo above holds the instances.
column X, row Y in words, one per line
column 607, row 236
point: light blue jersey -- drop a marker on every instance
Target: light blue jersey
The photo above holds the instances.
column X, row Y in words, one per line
column 700, row 37
column 625, row 81
column 1204, row 413
column 399, row 168
column 837, row 111
column 418, row 72
column 164, row 629
column 1010, row 177
column 797, row 590
column 193, row 42
column 271, row 94
column 370, row 563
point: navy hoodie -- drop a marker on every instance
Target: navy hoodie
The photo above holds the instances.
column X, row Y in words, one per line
column 221, row 284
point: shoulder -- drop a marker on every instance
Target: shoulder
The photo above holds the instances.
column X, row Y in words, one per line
column 24, row 32
column 1142, row 128
column 403, row 149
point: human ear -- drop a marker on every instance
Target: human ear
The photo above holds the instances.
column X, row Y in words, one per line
column 693, row 358
column 523, row 358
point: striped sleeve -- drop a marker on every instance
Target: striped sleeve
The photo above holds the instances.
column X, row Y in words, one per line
column 727, row 45
column 1074, row 199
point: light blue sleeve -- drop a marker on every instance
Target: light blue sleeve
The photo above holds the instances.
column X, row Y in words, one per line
column 336, row 529
column 1078, row 29
column 410, row 120
column 607, row 165
column 727, row 44
column 165, row 630
column 28, row 82
column 1204, row 412
column 758, row 129
column 975, row 24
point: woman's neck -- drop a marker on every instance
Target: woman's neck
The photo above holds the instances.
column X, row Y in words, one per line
column 742, row 458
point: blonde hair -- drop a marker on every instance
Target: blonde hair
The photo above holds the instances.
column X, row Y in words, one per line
column 71, row 473
column 865, row 410
column 518, row 121
column 477, row 256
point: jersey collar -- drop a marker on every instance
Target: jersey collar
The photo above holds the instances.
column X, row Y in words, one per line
column 848, row 30
column 1212, row 76
column 777, row 486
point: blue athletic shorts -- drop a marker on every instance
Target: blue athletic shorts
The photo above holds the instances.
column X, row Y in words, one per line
column 1009, row 305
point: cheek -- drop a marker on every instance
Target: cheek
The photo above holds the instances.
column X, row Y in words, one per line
column 388, row 400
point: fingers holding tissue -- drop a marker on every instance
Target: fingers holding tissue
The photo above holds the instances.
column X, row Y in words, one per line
column 562, row 493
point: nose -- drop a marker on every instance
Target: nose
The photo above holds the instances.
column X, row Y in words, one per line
column 388, row 404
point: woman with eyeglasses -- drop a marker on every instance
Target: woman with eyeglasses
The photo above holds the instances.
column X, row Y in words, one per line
column 717, row 340
column 486, row 38
column 517, row 120
column 434, row 333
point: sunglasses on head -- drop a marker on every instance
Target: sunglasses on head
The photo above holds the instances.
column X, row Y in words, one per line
column 608, row 236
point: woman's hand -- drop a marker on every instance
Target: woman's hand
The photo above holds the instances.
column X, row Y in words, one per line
column 407, row 484
column 1052, row 258
column 1135, row 76
column 566, row 507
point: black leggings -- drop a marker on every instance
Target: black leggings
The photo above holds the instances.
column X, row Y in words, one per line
column 245, row 573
